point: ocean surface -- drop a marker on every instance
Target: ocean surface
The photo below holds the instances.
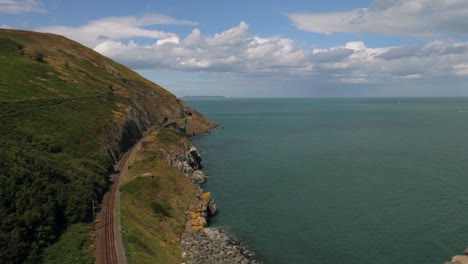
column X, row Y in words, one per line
column 340, row 180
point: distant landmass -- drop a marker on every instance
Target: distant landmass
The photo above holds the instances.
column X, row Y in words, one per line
column 203, row 97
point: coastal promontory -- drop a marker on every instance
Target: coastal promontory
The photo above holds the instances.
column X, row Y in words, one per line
column 67, row 115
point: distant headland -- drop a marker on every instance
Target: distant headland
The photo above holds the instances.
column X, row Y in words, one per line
column 203, row 97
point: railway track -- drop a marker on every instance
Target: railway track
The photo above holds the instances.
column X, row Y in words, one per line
column 109, row 244
column 108, row 253
column 108, row 227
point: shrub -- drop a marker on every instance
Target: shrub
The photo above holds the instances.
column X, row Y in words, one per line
column 168, row 136
column 39, row 57
column 161, row 209
column 20, row 48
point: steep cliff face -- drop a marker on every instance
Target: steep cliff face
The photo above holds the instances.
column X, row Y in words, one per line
column 185, row 157
column 54, row 67
column 181, row 154
column 140, row 117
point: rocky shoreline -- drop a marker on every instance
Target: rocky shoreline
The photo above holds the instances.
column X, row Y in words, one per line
column 214, row 245
column 459, row 259
column 203, row 244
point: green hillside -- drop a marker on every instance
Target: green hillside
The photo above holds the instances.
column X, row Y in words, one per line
column 66, row 114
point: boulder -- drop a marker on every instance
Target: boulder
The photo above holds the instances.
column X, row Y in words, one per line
column 197, row 215
column 197, row 228
column 212, row 207
column 194, row 159
column 200, row 207
column 199, row 221
column 147, row 175
column 198, row 177
column 205, row 197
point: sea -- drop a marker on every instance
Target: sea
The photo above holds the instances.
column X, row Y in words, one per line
column 360, row 180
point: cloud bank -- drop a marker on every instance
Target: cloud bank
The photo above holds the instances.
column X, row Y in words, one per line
column 21, row 6
column 413, row 18
column 237, row 52
column 116, row 28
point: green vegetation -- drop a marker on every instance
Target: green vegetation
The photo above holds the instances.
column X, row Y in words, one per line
column 74, row 246
column 63, row 110
column 57, row 99
column 42, row 190
column 162, row 209
column 153, row 209
column 50, row 163
column 39, row 57
column 168, row 135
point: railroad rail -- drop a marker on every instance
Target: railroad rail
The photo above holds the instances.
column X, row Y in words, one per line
column 108, row 252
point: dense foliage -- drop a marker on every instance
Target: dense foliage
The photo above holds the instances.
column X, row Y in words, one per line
column 74, row 246
column 42, row 191
column 51, row 167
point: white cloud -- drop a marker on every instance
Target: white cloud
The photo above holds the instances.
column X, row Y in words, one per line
column 355, row 80
column 173, row 39
column 231, row 37
column 233, row 50
column 461, row 69
column 21, row 6
column 118, row 28
column 238, row 53
column 415, row 18
column 413, row 76
column 5, row 26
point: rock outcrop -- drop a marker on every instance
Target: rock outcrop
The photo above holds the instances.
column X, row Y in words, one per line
column 199, row 213
column 214, row 245
column 186, row 158
column 189, row 162
column 203, row 244
column 458, row 260
column 138, row 120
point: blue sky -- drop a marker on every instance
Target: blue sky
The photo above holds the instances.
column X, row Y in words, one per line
column 270, row 49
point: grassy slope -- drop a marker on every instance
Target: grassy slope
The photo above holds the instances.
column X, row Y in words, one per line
column 74, row 246
column 153, row 209
column 57, row 98
column 38, row 104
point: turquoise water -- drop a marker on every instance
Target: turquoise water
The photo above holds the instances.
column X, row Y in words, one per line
column 340, row 180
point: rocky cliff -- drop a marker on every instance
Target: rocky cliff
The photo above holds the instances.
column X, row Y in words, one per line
column 137, row 118
column 128, row 105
